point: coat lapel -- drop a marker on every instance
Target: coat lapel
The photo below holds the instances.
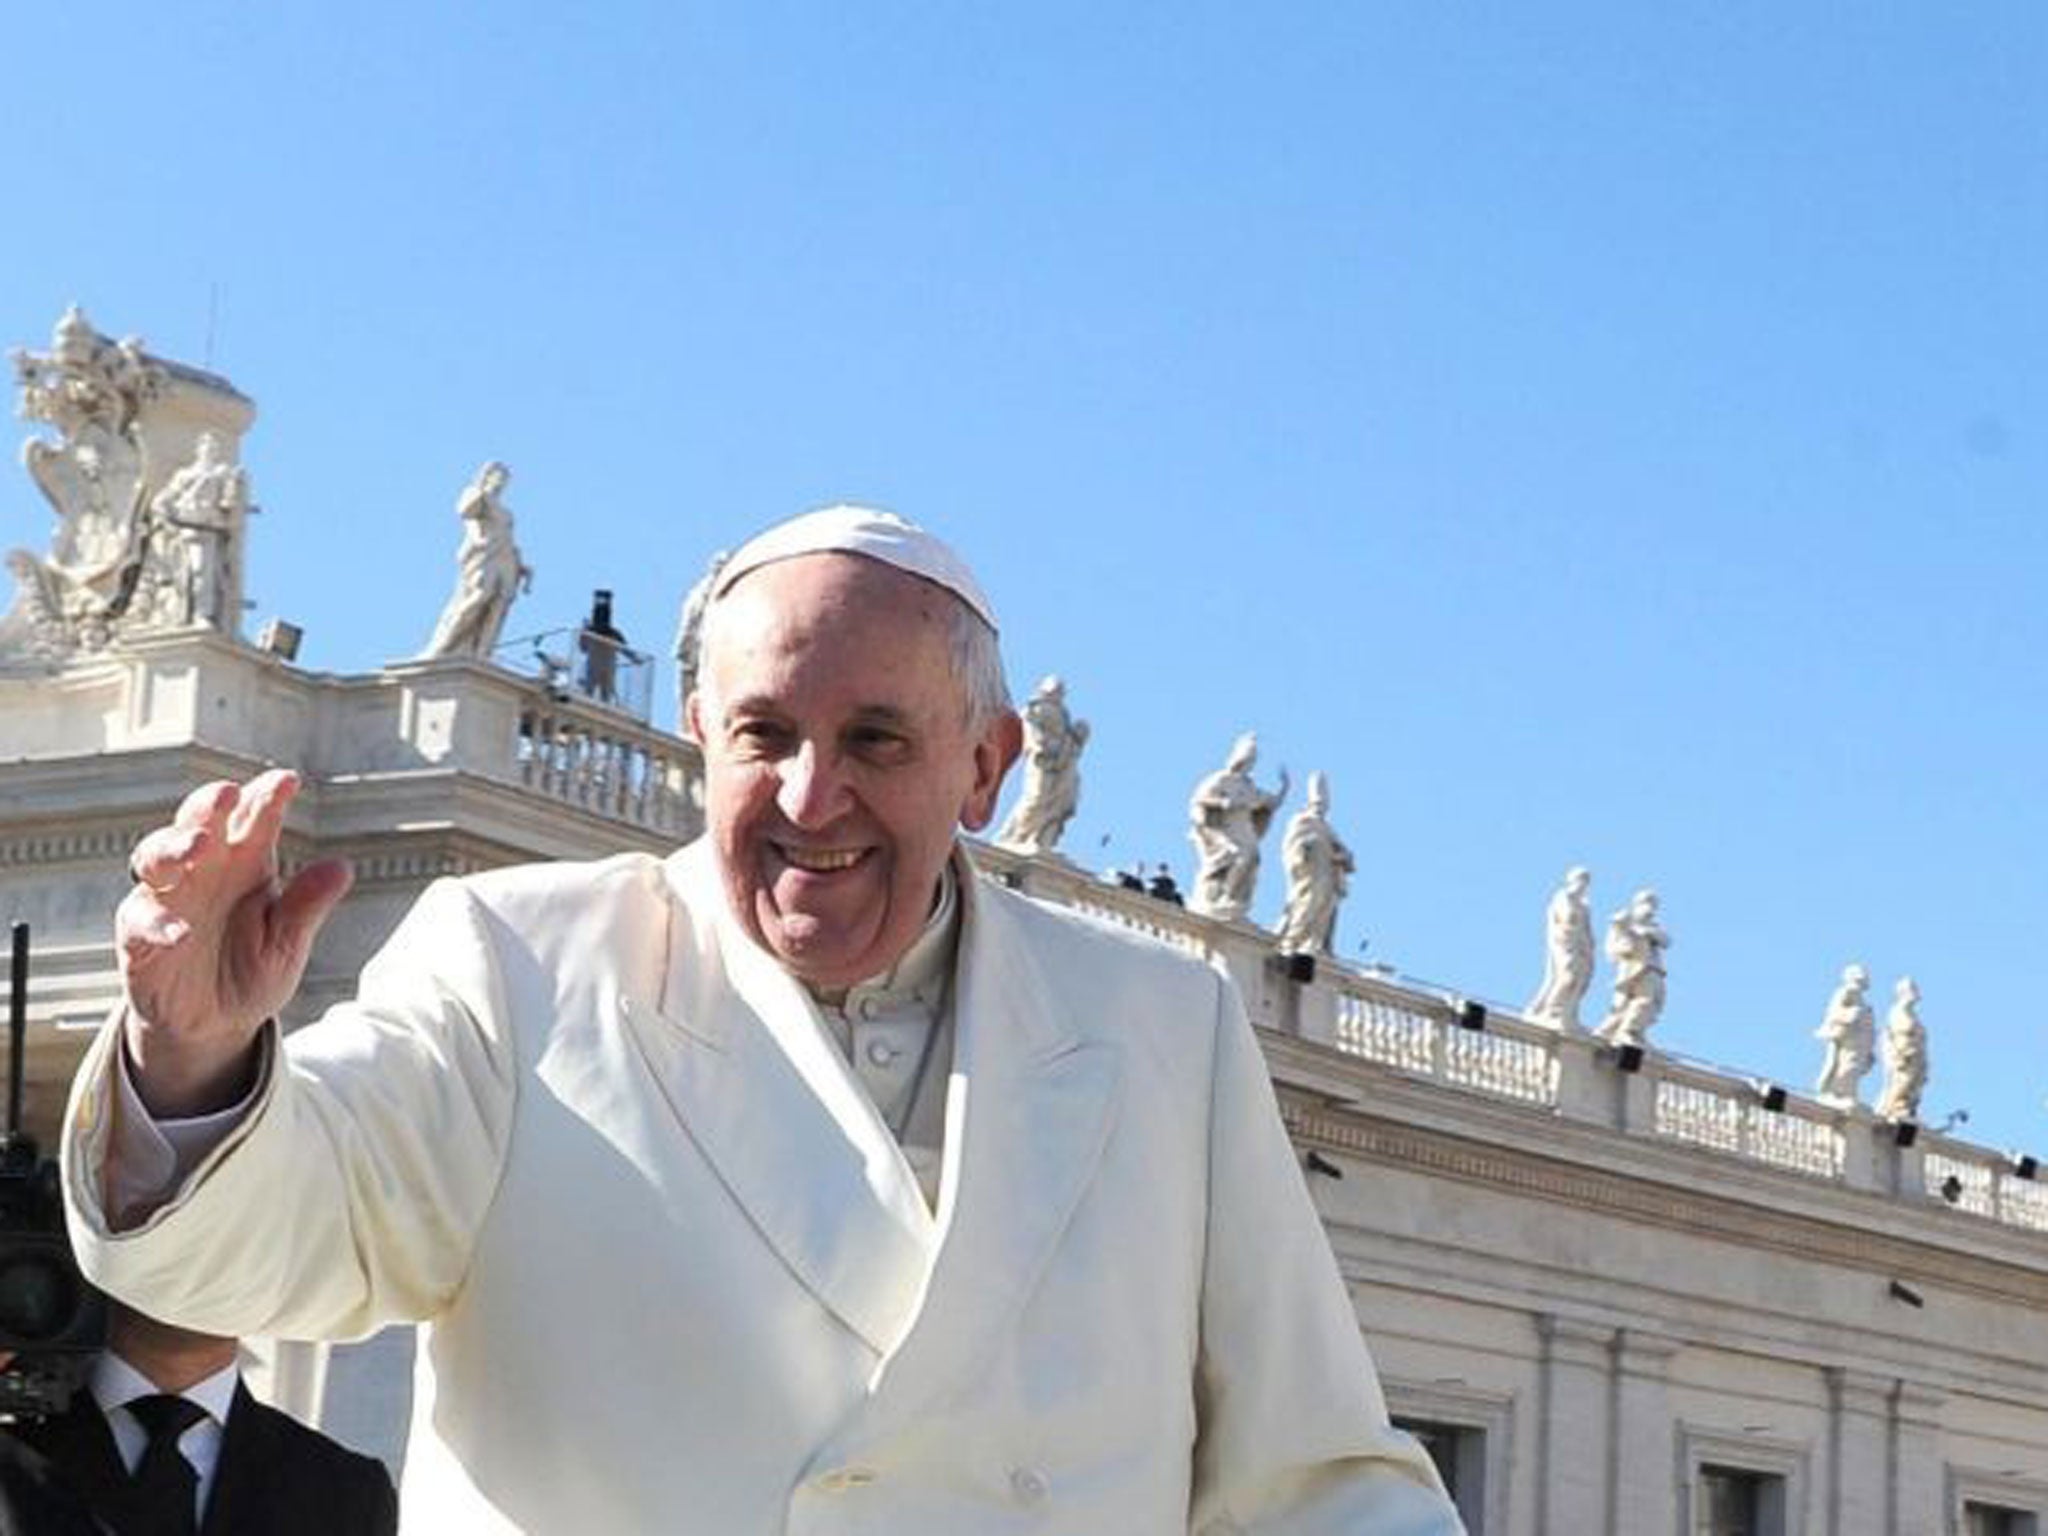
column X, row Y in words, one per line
column 759, row 1088
column 80, row 1447
column 237, row 1502
column 1028, row 1113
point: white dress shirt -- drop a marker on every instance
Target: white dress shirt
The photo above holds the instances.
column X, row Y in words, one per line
column 115, row 1384
column 895, row 1032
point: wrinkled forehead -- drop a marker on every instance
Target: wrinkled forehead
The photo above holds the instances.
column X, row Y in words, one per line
column 879, row 536
column 831, row 587
column 850, row 615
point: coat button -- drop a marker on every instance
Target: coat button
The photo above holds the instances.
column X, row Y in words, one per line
column 844, row 1478
column 1028, row 1484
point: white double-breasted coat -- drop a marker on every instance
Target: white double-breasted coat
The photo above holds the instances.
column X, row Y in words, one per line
column 677, row 1276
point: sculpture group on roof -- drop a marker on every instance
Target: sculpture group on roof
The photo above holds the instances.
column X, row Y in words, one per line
column 140, row 469
column 149, row 502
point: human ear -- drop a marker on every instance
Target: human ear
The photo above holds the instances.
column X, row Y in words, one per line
column 997, row 749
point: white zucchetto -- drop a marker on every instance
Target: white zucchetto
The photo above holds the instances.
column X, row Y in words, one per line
column 852, row 530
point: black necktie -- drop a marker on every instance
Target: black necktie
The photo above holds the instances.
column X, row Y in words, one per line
column 163, row 1489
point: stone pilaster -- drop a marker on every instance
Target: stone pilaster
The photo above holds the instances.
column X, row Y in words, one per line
column 1573, row 1429
column 1857, row 1477
column 1917, row 1482
column 1642, row 1495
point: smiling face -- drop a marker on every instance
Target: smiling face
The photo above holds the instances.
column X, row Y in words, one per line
column 838, row 759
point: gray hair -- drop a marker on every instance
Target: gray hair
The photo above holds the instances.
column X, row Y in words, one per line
column 972, row 649
column 977, row 658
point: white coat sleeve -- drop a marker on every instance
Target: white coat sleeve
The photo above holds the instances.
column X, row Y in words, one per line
column 351, row 1195
column 1293, row 1437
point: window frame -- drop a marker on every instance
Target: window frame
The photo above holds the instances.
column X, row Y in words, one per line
column 1467, row 1410
column 1702, row 1446
column 2008, row 1491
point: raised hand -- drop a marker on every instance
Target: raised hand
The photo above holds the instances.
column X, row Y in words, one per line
column 211, row 943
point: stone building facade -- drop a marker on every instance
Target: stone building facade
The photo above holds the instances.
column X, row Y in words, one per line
column 1615, row 1293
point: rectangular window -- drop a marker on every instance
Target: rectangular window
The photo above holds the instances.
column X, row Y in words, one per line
column 1996, row 1520
column 1735, row 1501
column 1459, row 1451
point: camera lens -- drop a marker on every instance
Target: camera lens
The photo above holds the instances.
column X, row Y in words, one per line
column 37, row 1297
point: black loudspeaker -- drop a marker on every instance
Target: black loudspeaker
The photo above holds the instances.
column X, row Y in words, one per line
column 1628, row 1058
column 1471, row 1015
column 1301, row 968
column 1905, row 1132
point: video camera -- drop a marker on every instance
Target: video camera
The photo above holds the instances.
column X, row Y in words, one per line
column 51, row 1320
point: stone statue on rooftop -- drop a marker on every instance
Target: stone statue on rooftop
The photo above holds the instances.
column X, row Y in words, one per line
column 194, row 565
column 1053, row 740
column 91, row 391
column 489, row 573
column 114, row 426
column 1905, row 1055
column 1319, row 869
column 1228, row 814
column 1567, row 954
column 1635, row 945
column 689, row 636
column 1849, row 1032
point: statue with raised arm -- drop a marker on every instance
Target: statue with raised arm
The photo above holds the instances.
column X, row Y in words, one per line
column 690, row 638
column 1567, row 954
column 1319, row 869
column 1849, row 1032
column 1053, row 740
column 489, row 572
column 1227, row 815
column 1635, row 945
column 1905, row 1055
column 197, row 521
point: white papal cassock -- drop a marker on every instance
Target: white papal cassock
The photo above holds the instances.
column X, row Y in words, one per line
column 678, row 1277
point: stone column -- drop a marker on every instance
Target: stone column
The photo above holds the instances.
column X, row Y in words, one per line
column 1857, row 1476
column 1572, row 1427
column 1642, row 1491
column 1917, row 1482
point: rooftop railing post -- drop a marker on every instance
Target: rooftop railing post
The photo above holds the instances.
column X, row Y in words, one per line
column 1861, row 1151
column 1584, row 1088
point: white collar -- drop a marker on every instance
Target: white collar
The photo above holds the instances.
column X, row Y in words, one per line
column 917, row 981
column 115, row 1384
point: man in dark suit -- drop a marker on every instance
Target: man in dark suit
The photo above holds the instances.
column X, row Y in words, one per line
column 33, row 1499
column 165, row 1440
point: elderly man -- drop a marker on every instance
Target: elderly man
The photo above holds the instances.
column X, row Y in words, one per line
column 802, row 1181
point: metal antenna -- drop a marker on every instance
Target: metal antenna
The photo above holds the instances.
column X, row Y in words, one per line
column 212, row 319
column 17, row 1029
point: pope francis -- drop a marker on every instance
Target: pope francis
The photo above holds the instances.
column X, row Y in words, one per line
column 802, row 1181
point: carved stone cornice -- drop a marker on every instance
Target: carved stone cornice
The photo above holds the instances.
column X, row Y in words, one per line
column 1518, row 1170
column 100, row 843
column 405, row 858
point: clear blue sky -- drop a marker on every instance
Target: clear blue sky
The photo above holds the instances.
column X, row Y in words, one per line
column 1592, row 433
